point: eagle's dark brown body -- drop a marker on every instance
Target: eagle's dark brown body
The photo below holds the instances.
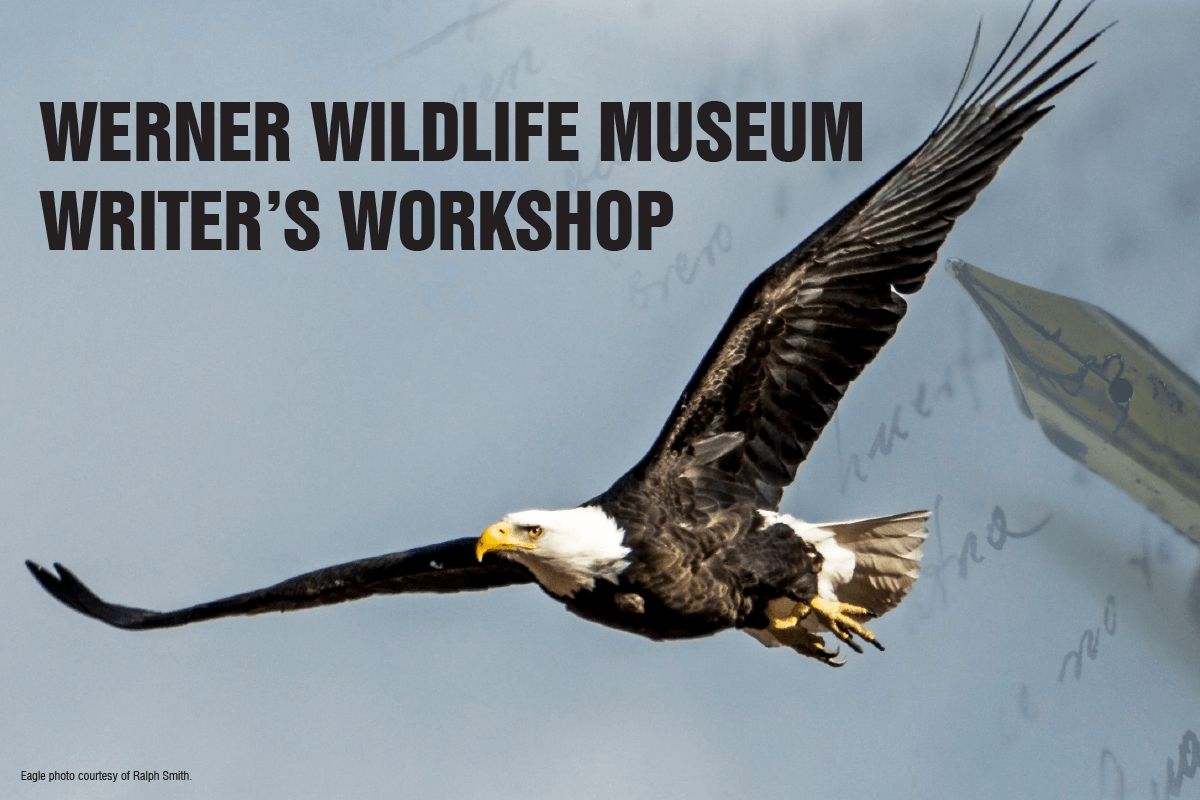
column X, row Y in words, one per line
column 673, row 590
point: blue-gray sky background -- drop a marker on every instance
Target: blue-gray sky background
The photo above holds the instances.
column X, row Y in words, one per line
column 179, row 426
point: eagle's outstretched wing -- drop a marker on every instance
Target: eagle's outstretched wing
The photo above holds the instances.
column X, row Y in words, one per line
column 808, row 325
column 448, row 567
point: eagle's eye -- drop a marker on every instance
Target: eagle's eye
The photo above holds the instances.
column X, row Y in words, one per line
column 535, row 532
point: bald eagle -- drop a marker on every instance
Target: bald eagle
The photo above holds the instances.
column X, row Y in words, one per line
column 690, row 541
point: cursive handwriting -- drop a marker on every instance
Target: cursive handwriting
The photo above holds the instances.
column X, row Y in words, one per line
column 1189, row 761
column 1089, row 642
column 683, row 268
column 882, row 444
column 934, row 570
column 963, row 363
column 1112, row 777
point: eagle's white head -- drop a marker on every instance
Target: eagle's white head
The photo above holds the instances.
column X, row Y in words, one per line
column 565, row 550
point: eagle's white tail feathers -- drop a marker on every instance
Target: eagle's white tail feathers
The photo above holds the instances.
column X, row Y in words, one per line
column 887, row 558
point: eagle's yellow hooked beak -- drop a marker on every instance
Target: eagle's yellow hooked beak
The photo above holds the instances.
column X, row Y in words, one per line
column 501, row 536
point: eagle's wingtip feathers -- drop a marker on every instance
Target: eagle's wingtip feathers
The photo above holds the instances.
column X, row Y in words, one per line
column 63, row 587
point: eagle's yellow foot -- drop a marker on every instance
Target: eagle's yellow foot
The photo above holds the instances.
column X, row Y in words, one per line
column 838, row 617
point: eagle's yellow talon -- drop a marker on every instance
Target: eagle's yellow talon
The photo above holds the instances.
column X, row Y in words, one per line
column 839, row 619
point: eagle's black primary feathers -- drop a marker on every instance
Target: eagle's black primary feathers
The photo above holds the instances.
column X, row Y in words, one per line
column 807, row 326
column 447, row 567
column 688, row 542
